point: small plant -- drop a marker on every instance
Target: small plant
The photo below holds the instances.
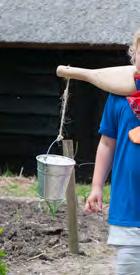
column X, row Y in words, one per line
column 8, row 173
column 83, row 190
column 1, row 230
column 33, row 189
column 106, row 194
column 3, row 265
column 53, row 207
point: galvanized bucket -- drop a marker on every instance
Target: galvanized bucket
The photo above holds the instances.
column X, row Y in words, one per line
column 54, row 172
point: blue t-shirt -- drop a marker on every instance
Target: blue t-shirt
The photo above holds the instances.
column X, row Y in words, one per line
column 117, row 120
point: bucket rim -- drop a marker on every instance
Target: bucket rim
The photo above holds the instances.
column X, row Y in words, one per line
column 73, row 162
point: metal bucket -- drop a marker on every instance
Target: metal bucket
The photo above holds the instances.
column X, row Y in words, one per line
column 54, row 172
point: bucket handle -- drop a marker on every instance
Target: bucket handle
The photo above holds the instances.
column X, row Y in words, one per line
column 56, row 140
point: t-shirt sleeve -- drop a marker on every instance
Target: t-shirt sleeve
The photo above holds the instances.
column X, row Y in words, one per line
column 109, row 121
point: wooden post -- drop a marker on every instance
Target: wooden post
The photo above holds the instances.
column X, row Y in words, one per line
column 71, row 202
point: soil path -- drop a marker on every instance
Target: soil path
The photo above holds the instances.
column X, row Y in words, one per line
column 38, row 245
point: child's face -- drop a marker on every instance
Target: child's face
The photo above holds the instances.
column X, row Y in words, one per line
column 137, row 58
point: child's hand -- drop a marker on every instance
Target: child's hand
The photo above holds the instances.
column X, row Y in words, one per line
column 134, row 135
column 94, row 201
column 62, row 71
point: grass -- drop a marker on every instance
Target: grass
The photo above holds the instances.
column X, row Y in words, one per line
column 7, row 173
column 19, row 186
column 3, row 265
column 83, row 190
column 16, row 190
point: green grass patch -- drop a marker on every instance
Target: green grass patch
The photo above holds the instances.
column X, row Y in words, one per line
column 18, row 190
column 8, row 173
column 20, row 186
column 83, row 190
column 106, row 194
column 3, row 265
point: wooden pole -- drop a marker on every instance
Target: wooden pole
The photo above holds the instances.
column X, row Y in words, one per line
column 71, row 201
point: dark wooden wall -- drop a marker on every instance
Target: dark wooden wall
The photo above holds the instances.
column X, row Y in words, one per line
column 30, row 105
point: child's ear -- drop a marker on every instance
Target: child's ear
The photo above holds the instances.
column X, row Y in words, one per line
column 135, row 58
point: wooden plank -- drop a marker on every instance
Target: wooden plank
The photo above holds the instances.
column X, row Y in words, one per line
column 12, row 104
column 29, row 124
column 25, row 145
column 71, row 202
column 20, row 84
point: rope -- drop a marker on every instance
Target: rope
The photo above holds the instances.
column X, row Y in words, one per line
column 63, row 108
column 63, row 111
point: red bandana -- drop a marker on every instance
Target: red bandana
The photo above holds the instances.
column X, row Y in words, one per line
column 134, row 99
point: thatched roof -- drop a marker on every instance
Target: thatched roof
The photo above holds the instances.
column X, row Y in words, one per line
column 69, row 21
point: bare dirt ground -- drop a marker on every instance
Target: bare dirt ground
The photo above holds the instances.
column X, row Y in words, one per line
column 38, row 244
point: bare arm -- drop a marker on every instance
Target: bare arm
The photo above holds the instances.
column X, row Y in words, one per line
column 117, row 80
column 103, row 164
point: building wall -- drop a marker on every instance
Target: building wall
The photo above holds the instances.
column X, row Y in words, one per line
column 30, row 101
column 29, row 107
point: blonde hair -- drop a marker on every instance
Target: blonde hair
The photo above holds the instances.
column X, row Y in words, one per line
column 133, row 47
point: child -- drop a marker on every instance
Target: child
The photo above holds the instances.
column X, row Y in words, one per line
column 119, row 150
